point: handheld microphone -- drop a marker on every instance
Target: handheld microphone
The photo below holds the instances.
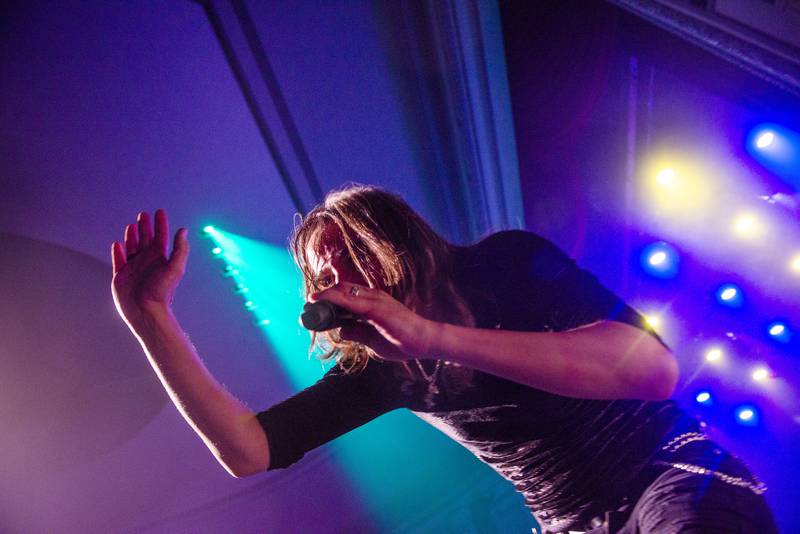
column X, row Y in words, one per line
column 324, row 315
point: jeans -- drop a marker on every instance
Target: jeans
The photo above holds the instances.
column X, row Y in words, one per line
column 678, row 501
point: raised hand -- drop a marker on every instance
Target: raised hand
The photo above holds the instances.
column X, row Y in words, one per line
column 144, row 277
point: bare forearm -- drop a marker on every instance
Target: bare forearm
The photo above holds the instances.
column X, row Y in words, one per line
column 606, row 360
column 227, row 426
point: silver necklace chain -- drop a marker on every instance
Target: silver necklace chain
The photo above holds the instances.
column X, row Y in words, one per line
column 432, row 376
column 433, row 389
column 756, row 486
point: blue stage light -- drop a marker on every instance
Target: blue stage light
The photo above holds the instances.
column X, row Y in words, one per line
column 730, row 295
column 779, row 331
column 778, row 149
column 747, row 415
column 660, row 260
column 704, row 398
column 764, row 139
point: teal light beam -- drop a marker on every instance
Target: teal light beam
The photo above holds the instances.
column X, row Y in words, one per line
column 271, row 288
column 409, row 475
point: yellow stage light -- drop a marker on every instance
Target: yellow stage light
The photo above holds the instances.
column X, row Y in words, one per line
column 667, row 177
column 652, row 320
column 747, row 226
column 794, row 264
column 760, row 374
column 714, row 355
column 673, row 186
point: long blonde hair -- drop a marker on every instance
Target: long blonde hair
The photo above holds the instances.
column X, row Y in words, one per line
column 384, row 238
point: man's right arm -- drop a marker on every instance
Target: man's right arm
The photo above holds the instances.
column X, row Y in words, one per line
column 228, row 428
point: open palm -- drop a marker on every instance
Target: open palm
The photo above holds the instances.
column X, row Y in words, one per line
column 144, row 276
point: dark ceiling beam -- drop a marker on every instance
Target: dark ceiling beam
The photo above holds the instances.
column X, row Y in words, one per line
column 244, row 51
column 756, row 53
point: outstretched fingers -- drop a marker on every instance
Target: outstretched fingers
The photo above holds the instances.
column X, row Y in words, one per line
column 131, row 240
column 117, row 257
column 145, row 231
column 161, row 238
column 139, row 236
column 180, row 250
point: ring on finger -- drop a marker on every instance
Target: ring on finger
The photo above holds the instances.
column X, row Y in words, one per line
column 354, row 290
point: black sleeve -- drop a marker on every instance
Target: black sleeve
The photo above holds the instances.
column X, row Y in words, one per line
column 334, row 405
column 543, row 289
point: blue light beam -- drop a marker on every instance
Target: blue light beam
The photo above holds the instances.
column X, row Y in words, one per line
column 660, row 260
column 778, row 150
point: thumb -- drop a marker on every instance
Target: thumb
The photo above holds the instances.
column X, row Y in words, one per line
column 180, row 250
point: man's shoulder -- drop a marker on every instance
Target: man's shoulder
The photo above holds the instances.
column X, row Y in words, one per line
column 514, row 243
column 518, row 251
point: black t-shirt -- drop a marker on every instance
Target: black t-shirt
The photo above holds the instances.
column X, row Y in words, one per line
column 571, row 458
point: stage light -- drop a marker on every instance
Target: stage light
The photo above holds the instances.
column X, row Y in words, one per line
column 264, row 277
column 779, row 331
column 765, row 139
column 704, row 398
column 714, row 355
column 730, row 295
column 760, row 374
column 747, row 415
column 666, row 177
column 652, row 320
column 794, row 264
column 747, row 226
column 675, row 187
column 660, row 260
column 778, row 149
